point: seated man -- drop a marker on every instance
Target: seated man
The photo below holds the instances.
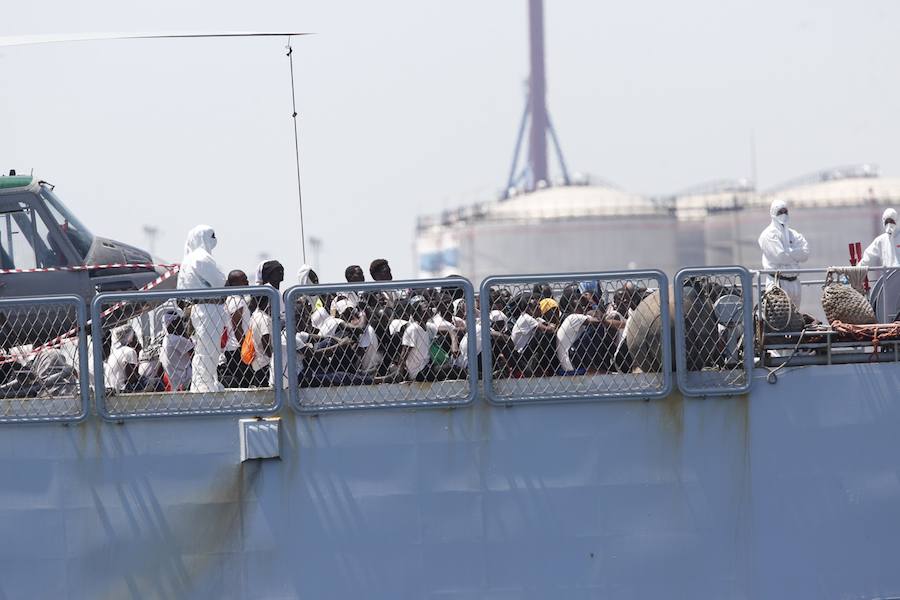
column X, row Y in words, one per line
column 391, row 340
column 502, row 350
column 445, row 330
column 625, row 301
column 308, row 357
column 532, row 339
column 587, row 338
column 176, row 354
column 369, row 355
column 121, row 369
column 414, row 360
column 501, row 346
column 54, row 374
column 232, row 372
column 347, row 324
column 415, row 353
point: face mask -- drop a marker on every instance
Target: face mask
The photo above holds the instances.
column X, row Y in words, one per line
column 783, row 219
column 890, row 228
column 212, row 241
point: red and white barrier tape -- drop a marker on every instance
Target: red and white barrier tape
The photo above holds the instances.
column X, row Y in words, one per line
column 88, row 268
column 167, row 275
column 58, row 341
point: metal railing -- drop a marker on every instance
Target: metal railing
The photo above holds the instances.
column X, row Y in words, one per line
column 576, row 337
column 43, row 360
column 811, row 281
column 558, row 337
column 381, row 345
column 186, row 352
column 713, row 330
column 809, row 339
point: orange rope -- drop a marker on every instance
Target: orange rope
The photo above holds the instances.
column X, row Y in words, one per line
column 874, row 333
column 881, row 330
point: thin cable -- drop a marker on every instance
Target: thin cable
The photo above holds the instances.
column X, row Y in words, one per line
column 772, row 377
column 290, row 55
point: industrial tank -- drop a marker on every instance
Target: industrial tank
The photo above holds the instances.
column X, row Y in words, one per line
column 601, row 228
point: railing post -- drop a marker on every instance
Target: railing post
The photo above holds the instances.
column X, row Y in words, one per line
column 719, row 307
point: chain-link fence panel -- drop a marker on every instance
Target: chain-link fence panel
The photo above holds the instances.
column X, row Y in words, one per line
column 43, row 360
column 572, row 337
column 187, row 352
column 713, row 330
column 381, row 344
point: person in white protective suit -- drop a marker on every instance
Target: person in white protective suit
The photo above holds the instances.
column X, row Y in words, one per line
column 208, row 316
column 883, row 251
column 783, row 249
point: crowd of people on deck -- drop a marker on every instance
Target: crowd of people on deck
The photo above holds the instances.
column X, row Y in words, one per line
column 399, row 335
column 355, row 337
column 212, row 343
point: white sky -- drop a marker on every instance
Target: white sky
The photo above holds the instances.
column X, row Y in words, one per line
column 412, row 107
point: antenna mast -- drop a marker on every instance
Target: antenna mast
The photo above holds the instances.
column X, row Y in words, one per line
column 537, row 90
column 536, row 168
column 290, row 55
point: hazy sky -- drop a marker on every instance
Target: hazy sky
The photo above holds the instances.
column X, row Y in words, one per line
column 412, row 107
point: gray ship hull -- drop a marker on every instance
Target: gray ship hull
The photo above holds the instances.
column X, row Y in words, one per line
column 789, row 492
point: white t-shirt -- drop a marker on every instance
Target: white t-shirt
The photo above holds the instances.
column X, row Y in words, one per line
column 142, row 325
column 351, row 297
column 318, row 317
column 176, row 360
column 524, row 330
column 371, row 358
column 396, row 326
column 439, row 324
column 260, row 325
column 433, row 329
column 462, row 360
column 332, row 328
column 391, row 297
column 115, row 366
column 232, row 305
column 613, row 314
column 301, row 340
column 566, row 336
column 419, row 342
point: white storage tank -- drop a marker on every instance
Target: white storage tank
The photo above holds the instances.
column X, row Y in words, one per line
column 601, row 228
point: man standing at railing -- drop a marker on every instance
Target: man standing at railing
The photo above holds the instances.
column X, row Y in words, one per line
column 199, row 271
column 233, row 373
column 783, row 249
column 883, row 250
column 380, row 270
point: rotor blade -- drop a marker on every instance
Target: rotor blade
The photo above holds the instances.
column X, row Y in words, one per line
column 24, row 40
